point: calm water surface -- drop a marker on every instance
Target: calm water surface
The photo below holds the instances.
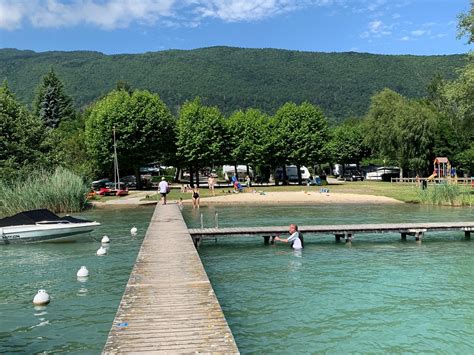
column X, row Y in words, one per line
column 378, row 295
column 80, row 314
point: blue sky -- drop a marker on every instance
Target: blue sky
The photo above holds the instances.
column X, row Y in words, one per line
column 421, row 27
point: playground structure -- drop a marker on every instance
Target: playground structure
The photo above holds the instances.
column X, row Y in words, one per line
column 442, row 169
column 443, row 173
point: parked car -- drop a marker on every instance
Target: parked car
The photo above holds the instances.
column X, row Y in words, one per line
column 353, row 175
column 130, row 181
column 102, row 183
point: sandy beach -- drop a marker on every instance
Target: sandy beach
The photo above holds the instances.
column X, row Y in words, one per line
column 297, row 197
column 287, row 197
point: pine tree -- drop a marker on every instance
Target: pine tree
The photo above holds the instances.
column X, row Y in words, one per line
column 52, row 104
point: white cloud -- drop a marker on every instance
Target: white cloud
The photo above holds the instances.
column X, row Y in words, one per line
column 375, row 26
column 418, row 33
column 11, row 13
column 376, row 29
column 107, row 14
column 405, row 38
column 242, row 10
column 112, row 14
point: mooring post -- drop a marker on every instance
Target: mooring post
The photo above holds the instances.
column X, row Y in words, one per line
column 418, row 235
column 467, row 235
column 404, row 237
column 197, row 241
column 216, row 217
column 202, row 222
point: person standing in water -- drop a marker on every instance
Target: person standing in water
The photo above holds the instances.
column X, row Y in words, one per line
column 196, row 198
column 295, row 239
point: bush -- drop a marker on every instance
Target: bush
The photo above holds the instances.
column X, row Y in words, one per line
column 61, row 191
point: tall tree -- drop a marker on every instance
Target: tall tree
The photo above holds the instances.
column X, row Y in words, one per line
column 459, row 108
column 347, row 144
column 51, row 103
column 21, row 137
column 248, row 131
column 144, row 131
column 401, row 130
column 201, row 135
column 301, row 134
column 466, row 25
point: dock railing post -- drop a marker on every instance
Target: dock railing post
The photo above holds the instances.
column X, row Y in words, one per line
column 202, row 222
column 216, row 217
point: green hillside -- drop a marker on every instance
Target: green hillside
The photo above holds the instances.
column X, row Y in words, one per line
column 231, row 78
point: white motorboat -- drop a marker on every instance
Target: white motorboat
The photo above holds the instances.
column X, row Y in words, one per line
column 42, row 226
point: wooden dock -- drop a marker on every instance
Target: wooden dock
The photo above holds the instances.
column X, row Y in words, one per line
column 345, row 231
column 169, row 305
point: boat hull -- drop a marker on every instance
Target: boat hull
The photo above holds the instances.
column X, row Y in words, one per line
column 45, row 233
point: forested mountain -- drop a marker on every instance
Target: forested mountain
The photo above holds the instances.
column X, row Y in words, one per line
column 232, row 78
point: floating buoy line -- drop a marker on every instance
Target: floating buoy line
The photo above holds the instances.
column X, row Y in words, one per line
column 42, row 298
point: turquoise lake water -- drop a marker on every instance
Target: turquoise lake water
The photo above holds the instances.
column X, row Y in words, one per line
column 80, row 315
column 377, row 295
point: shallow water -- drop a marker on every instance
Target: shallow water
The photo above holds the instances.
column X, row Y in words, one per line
column 377, row 295
column 80, row 314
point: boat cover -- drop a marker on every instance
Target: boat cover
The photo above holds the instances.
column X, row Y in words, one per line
column 34, row 216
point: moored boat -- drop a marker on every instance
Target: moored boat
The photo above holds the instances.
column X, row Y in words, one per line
column 42, row 226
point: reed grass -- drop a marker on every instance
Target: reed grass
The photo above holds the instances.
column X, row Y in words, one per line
column 446, row 194
column 61, row 192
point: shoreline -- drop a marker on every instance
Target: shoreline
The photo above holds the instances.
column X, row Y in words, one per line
column 266, row 198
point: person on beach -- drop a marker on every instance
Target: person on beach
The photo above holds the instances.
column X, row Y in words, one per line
column 247, row 181
column 163, row 187
column 211, row 181
column 196, row 197
column 295, row 239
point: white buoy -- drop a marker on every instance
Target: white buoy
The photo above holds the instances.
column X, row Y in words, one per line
column 134, row 231
column 101, row 251
column 41, row 298
column 83, row 272
column 105, row 239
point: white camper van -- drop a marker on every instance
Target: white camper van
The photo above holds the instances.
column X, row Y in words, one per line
column 292, row 173
column 229, row 171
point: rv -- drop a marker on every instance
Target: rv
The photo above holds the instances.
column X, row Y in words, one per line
column 383, row 173
column 292, row 173
column 229, row 171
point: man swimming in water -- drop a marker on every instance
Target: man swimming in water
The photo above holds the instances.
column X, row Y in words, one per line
column 295, row 239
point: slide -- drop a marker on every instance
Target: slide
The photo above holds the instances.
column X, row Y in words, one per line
column 431, row 177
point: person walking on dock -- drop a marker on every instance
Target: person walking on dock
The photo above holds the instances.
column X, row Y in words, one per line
column 164, row 188
column 295, row 239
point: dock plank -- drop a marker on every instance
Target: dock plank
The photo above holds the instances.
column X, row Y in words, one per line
column 169, row 304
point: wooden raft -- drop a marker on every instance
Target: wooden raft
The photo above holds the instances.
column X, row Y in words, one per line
column 169, row 305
